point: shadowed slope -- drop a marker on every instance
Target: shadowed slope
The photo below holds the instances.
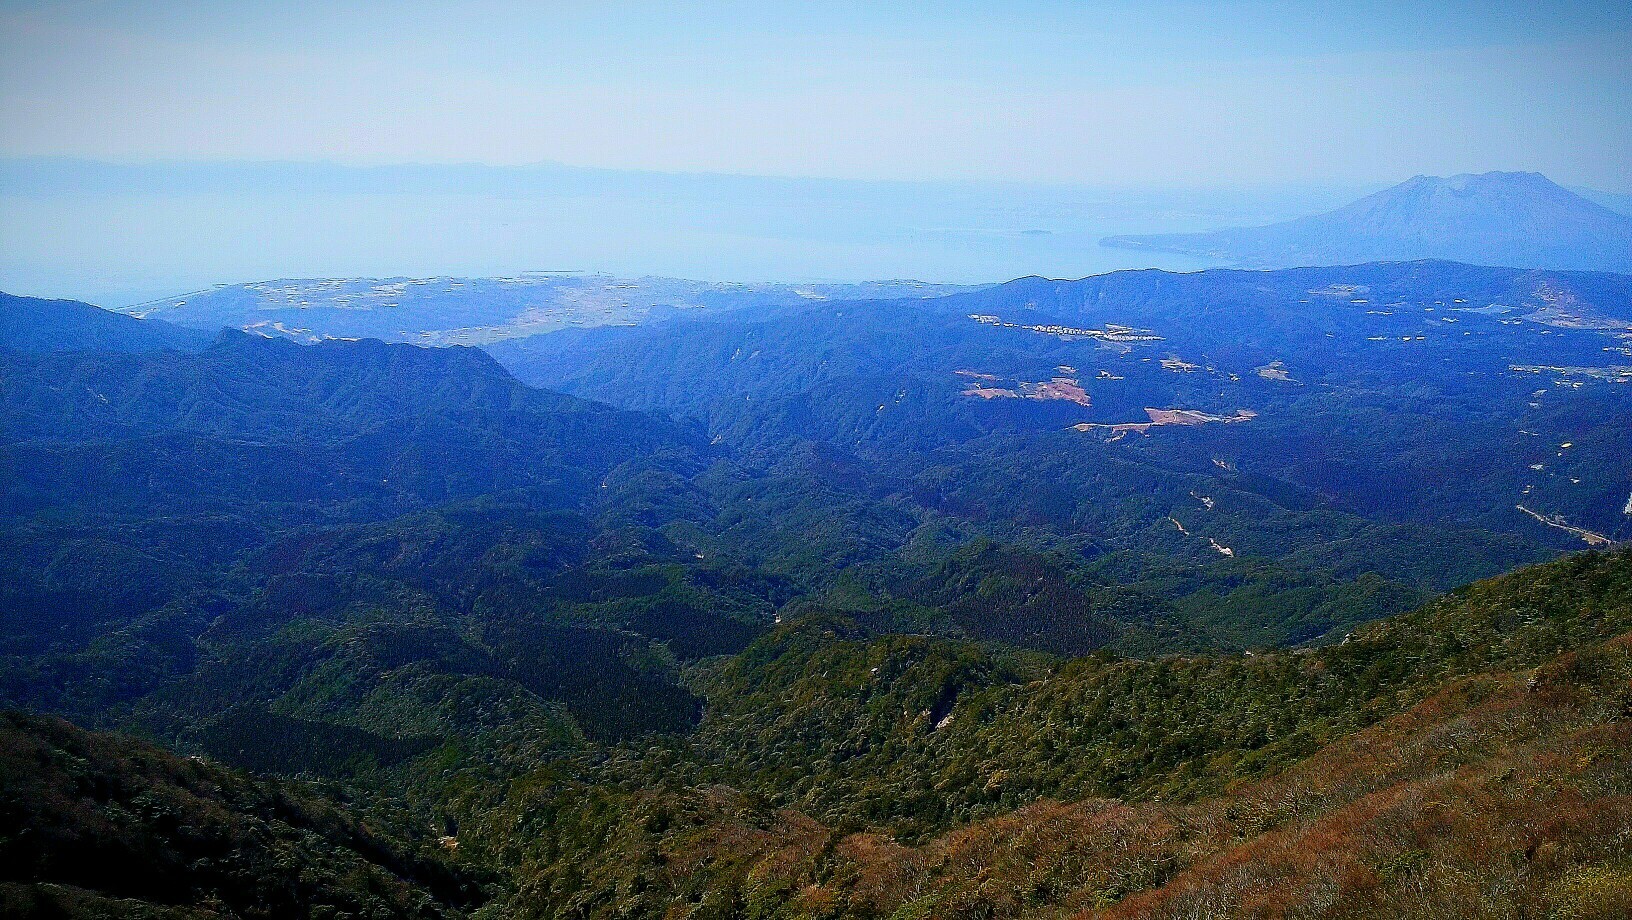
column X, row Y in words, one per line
column 96, row 825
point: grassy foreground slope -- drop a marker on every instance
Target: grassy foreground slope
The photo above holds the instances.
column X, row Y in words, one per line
column 1472, row 758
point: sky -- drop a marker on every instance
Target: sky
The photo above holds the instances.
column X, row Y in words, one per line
column 153, row 148
column 1146, row 94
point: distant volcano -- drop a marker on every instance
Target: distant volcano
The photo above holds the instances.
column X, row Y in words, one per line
column 1514, row 219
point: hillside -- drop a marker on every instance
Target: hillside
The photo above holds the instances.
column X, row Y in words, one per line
column 1319, row 424
column 1521, row 220
column 96, row 825
column 1467, row 758
column 191, row 538
column 352, row 556
column 30, row 324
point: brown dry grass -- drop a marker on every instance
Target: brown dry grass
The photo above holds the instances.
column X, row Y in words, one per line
column 1500, row 796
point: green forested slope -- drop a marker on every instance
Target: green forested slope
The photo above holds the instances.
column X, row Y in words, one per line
column 819, row 758
column 803, row 653
column 99, row 826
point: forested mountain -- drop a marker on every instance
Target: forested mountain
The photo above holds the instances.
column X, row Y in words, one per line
column 1374, row 777
column 1428, row 423
column 35, row 325
column 101, row 826
column 172, row 513
column 1462, row 760
column 821, row 612
column 1518, row 219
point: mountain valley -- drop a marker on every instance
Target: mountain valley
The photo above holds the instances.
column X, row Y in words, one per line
column 819, row 609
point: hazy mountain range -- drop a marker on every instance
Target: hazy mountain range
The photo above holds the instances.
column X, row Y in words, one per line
column 1502, row 219
column 476, row 311
column 1516, row 219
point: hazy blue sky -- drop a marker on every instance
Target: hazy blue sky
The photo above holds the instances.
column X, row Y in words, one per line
column 1146, row 93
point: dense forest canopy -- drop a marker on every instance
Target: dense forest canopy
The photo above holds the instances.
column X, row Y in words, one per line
column 888, row 608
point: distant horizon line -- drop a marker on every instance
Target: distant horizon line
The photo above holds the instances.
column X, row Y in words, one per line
column 543, row 166
column 615, row 276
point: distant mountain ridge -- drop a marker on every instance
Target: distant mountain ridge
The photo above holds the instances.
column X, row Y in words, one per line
column 1511, row 219
column 478, row 311
column 32, row 324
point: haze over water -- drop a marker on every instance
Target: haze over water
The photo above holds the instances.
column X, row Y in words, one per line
column 918, row 129
column 121, row 235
